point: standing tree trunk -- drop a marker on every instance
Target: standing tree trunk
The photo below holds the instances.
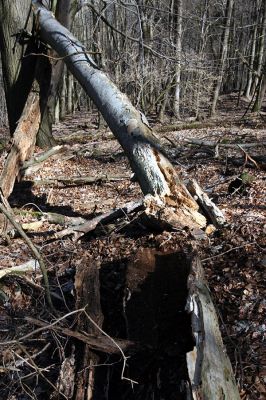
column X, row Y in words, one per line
column 65, row 11
column 15, row 43
column 155, row 174
column 178, row 10
column 247, row 92
column 17, row 40
column 224, row 50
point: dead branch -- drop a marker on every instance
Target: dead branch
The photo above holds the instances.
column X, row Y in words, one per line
column 98, row 342
column 34, row 251
column 29, row 266
column 199, row 142
column 105, row 218
column 210, row 209
column 80, row 180
column 248, row 157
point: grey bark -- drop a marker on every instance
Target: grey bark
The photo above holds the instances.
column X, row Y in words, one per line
column 154, row 172
column 224, row 50
column 65, row 11
column 179, row 10
column 18, row 72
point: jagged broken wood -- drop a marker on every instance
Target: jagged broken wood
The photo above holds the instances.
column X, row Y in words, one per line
column 213, row 213
column 155, row 174
column 209, row 368
column 88, row 226
column 22, row 145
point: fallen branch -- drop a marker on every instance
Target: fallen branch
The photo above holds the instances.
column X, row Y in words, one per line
column 37, row 161
column 80, row 180
column 29, row 266
column 260, row 161
column 34, row 251
column 105, row 218
column 199, row 142
column 210, row 209
column 191, row 125
column 96, row 342
column 248, row 157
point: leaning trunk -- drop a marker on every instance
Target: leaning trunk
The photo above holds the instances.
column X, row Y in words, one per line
column 155, row 174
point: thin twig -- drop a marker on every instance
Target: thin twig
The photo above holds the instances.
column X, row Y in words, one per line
column 43, row 328
column 63, row 57
column 116, row 344
column 34, row 251
column 228, row 251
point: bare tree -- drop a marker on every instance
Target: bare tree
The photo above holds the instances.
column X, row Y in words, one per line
column 223, row 56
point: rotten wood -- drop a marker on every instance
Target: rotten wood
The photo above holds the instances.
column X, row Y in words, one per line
column 212, row 212
column 22, row 145
column 87, row 285
column 209, row 368
column 79, row 180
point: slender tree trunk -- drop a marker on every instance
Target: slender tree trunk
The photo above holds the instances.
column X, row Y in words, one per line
column 154, row 172
column 65, row 11
column 247, row 91
column 178, row 9
column 224, row 50
column 261, row 46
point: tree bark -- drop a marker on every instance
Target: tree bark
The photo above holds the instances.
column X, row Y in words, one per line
column 154, row 172
column 224, row 50
column 22, row 145
column 178, row 9
column 18, row 71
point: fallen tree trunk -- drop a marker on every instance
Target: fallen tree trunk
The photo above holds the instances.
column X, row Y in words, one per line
column 168, row 311
column 155, row 174
column 209, row 143
column 79, row 180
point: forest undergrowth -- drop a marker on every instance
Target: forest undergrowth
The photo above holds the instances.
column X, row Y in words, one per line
column 227, row 160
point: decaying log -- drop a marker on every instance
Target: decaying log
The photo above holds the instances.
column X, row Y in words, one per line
column 212, row 212
column 80, row 230
column 155, row 174
column 168, row 310
column 207, row 143
column 23, row 143
column 209, row 367
column 192, row 125
column 87, row 287
column 79, row 180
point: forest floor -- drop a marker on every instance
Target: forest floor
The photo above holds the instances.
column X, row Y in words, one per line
column 233, row 257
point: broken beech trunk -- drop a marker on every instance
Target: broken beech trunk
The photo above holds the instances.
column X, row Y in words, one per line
column 155, row 173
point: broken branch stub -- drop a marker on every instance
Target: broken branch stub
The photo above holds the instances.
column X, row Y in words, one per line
column 155, row 173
